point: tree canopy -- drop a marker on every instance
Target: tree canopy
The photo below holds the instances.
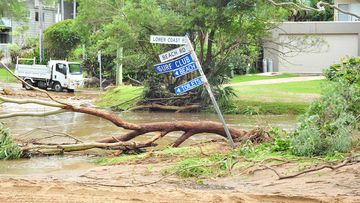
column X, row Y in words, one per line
column 222, row 32
column 60, row 39
column 12, row 8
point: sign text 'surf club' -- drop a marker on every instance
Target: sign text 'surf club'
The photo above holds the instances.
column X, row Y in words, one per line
column 173, row 65
column 185, row 70
column 189, row 85
column 184, row 65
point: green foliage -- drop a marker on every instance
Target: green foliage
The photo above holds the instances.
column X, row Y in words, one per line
column 12, row 8
column 8, row 149
column 1, row 54
column 15, row 51
column 281, row 140
column 348, row 71
column 221, row 31
column 61, row 38
column 296, row 14
column 328, row 124
column 193, row 167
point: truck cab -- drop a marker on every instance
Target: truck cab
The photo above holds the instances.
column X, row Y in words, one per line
column 65, row 74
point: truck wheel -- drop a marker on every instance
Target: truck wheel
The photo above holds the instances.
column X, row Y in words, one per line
column 26, row 85
column 57, row 87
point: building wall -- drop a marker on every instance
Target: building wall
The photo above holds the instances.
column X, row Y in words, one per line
column 309, row 47
column 353, row 7
column 34, row 25
column 51, row 15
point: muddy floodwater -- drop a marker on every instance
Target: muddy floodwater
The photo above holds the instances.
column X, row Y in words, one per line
column 91, row 128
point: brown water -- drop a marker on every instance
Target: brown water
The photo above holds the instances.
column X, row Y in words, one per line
column 90, row 128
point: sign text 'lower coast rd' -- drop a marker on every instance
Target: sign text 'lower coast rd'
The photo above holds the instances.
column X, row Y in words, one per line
column 184, row 65
column 159, row 39
column 173, row 65
column 189, row 85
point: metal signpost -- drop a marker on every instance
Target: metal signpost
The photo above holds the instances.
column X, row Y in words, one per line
column 99, row 60
column 183, row 65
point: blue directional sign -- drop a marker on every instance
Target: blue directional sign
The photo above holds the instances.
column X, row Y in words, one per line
column 185, row 70
column 173, row 65
column 189, row 85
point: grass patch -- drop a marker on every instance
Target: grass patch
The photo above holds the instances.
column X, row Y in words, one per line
column 5, row 76
column 122, row 97
column 253, row 77
column 271, row 108
column 244, row 157
column 166, row 153
column 283, row 98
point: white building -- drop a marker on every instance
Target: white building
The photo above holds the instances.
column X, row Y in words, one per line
column 352, row 6
column 310, row 47
column 36, row 18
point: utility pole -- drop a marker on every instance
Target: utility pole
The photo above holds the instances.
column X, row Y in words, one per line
column 74, row 9
column 41, row 50
column 62, row 10
column 119, row 66
column 119, row 56
column 99, row 60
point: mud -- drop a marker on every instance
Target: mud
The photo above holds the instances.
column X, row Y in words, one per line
column 77, row 179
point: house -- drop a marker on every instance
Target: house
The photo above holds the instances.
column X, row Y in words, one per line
column 310, row 47
column 36, row 18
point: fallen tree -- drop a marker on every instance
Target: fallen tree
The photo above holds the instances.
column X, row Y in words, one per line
column 122, row 141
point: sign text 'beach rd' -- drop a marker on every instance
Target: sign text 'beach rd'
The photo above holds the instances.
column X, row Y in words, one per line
column 173, row 65
column 189, row 85
column 160, row 39
column 174, row 53
column 185, row 70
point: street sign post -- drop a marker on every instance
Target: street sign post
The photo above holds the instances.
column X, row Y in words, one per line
column 184, row 65
column 173, row 65
column 189, row 85
column 174, row 53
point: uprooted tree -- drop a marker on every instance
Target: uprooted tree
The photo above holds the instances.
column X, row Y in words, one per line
column 121, row 142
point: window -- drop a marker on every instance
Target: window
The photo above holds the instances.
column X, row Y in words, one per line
column 36, row 3
column 61, row 68
column 341, row 16
column 75, row 69
column 5, row 36
column 36, row 16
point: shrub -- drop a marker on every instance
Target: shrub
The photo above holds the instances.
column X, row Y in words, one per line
column 15, row 51
column 328, row 124
column 60, row 39
column 8, row 149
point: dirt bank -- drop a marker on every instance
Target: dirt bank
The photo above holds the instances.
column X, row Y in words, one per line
column 143, row 182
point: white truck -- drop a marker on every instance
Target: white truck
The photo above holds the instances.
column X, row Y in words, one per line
column 57, row 75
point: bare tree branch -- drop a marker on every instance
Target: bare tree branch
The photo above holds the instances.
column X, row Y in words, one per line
column 320, row 6
column 32, row 114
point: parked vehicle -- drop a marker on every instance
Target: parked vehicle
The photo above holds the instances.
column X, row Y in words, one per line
column 57, row 75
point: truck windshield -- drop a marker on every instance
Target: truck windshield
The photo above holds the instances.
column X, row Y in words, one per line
column 75, row 69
